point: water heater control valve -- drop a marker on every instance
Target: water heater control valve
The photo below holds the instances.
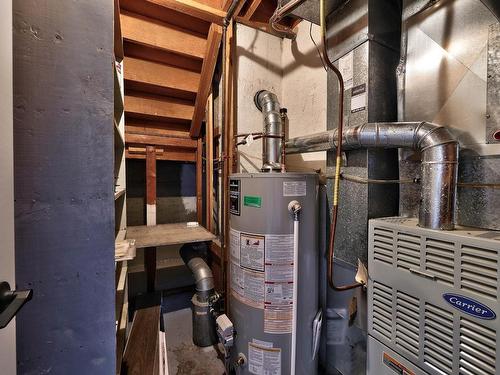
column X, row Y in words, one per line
column 225, row 330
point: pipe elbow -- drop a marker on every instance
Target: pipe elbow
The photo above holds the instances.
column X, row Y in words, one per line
column 192, row 255
column 429, row 135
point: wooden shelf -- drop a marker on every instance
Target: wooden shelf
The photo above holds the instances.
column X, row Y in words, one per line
column 119, row 139
column 118, row 41
column 167, row 234
column 119, row 193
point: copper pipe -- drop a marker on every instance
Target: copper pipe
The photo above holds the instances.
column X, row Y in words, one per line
column 338, row 161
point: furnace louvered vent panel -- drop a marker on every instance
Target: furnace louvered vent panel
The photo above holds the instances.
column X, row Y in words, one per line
column 382, row 310
column 477, row 349
column 440, row 260
column 438, row 339
column 407, row 322
column 408, row 251
column 383, row 245
column 427, row 287
column 479, row 271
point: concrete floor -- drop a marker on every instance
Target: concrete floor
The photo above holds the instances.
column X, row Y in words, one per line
column 184, row 358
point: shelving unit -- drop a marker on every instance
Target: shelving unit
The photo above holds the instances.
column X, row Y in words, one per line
column 124, row 249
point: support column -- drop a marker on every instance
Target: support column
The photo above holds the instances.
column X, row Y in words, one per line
column 150, row 252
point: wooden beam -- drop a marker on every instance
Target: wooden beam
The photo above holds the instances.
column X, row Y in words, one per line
column 160, row 35
column 155, row 107
column 209, row 157
column 150, row 252
column 164, row 129
column 207, row 72
column 150, row 76
column 254, row 4
column 170, row 154
column 199, row 181
column 194, row 9
column 164, row 57
column 160, row 141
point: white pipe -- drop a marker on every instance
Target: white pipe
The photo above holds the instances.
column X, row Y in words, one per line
column 295, row 289
column 294, row 208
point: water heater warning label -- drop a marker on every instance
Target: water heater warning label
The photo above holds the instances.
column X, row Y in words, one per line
column 247, row 286
column 252, row 251
column 262, row 276
column 264, row 360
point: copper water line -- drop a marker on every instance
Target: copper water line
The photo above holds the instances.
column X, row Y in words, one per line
column 338, row 159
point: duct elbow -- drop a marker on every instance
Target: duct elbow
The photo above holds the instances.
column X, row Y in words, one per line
column 192, row 255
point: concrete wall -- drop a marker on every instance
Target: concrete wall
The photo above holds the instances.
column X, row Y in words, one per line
column 304, row 93
column 64, row 201
column 294, row 72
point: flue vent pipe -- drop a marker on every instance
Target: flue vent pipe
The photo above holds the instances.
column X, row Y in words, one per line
column 267, row 102
column 439, row 164
column 204, row 331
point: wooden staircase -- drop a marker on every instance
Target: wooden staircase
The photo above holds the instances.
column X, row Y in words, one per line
column 170, row 52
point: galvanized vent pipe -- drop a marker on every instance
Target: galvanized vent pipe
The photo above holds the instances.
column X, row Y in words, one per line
column 439, row 167
column 204, row 332
column 267, row 102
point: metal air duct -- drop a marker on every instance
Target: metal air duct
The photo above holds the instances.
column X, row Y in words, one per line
column 439, row 168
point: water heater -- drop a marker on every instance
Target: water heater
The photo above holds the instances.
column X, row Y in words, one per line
column 275, row 333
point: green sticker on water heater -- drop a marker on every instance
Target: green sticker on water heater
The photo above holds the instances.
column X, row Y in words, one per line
column 252, row 201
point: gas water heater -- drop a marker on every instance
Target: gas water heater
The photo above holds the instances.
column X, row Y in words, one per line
column 274, row 257
column 276, row 327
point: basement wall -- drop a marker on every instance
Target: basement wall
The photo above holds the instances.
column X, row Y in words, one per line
column 63, row 181
column 294, row 72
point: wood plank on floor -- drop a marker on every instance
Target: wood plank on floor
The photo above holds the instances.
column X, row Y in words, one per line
column 141, row 351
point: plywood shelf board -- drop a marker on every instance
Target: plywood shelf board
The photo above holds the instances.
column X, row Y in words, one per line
column 167, row 234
